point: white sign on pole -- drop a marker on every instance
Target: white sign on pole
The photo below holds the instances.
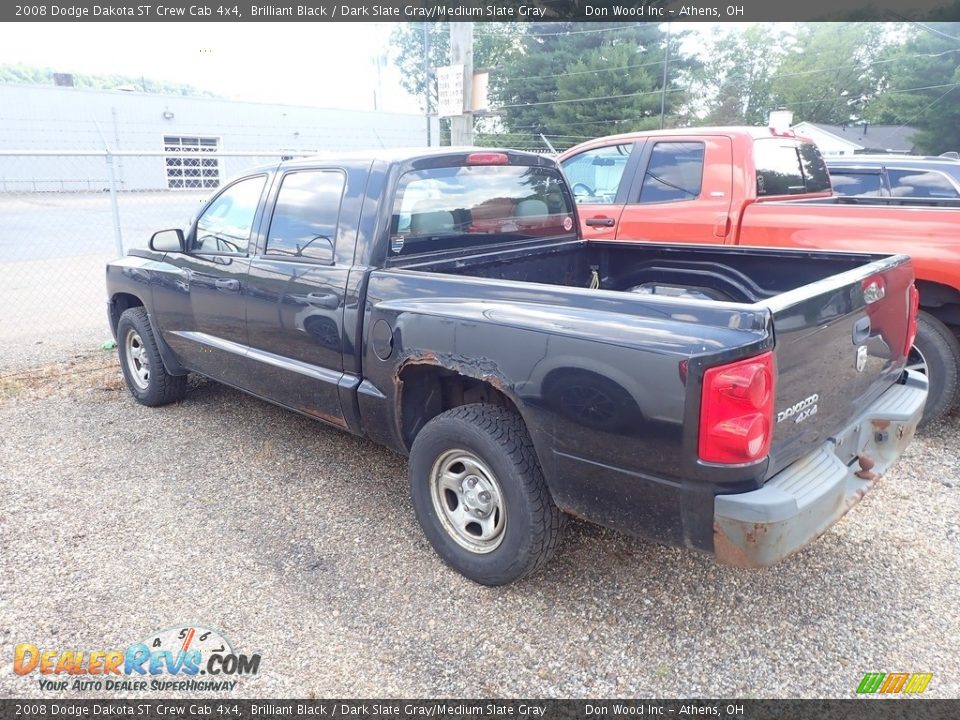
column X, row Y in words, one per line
column 450, row 90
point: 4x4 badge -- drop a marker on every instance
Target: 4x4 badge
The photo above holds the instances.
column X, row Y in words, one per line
column 861, row 358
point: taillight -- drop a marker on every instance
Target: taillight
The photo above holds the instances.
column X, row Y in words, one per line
column 912, row 319
column 487, row 158
column 874, row 289
column 736, row 411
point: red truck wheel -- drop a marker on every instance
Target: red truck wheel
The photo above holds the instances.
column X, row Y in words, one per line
column 936, row 353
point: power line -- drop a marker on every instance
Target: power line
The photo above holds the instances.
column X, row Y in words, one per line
column 588, row 99
column 934, row 30
column 587, row 72
column 612, row 121
column 927, row 107
column 885, row 92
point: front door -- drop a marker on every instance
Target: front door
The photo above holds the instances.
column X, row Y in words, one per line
column 600, row 178
column 200, row 307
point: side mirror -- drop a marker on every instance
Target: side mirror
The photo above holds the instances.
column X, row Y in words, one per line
column 168, row 241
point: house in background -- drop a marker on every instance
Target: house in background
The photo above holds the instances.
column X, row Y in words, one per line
column 859, row 138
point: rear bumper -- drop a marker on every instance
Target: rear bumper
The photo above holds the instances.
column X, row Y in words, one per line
column 798, row 504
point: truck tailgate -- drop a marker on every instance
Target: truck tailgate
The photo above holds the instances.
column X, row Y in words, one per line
column 840, row 343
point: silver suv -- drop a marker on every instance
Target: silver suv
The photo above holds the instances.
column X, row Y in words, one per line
column 895, row 176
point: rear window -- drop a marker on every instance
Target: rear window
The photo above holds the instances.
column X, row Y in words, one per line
column 455, row 207
column 788, row 168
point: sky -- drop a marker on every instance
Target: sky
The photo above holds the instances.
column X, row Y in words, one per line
column 317, row 64
column 298, row 63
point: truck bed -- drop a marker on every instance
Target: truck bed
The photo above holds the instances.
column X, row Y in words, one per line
column 710, row 272
column 805, row 305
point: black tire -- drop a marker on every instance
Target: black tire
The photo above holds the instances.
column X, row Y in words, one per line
column 940, row 353
column 147, row 378
column 531, row 523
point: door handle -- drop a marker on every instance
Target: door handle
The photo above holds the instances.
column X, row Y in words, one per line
column 861, row 331
column 227, row 284
column 601, row 222
column 326, row 300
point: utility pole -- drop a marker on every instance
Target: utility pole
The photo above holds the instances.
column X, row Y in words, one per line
column 663, row 90
column 426, row 75
column 461, row 53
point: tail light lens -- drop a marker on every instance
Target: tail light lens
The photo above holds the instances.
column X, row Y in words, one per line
column 488, row 158
column 874, row 289
column 912, row 319
column 736, row 411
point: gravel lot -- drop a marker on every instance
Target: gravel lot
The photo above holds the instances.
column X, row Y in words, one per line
column 299, row 542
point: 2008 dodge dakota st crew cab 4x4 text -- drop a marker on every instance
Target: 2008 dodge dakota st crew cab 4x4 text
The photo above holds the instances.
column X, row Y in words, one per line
column 444, row 304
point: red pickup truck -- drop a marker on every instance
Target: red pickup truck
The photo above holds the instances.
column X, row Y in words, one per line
column 762, row 187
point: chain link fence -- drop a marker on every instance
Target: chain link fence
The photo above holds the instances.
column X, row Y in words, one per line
column 64, row 214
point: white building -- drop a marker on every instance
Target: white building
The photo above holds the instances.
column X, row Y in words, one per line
column 72, row 119
column 859, row 138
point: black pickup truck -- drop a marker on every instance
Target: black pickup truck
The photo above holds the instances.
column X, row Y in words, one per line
column 736, row 401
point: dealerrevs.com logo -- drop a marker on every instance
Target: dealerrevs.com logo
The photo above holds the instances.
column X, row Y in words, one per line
column 188, row 658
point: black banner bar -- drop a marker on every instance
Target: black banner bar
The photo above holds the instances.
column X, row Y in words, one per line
column 475, row 10
column 145, row 709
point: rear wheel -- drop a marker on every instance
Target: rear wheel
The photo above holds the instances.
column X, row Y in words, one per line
column 480, row 496
column 146, row 377
column 936, row 353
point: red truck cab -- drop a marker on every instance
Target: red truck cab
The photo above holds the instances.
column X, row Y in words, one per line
column 758, row 186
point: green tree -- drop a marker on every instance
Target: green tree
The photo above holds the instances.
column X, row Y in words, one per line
column 568, row 81
column 735, row 84
column 492, row 44
column 923, row 87
column 31, row 75
column 572, row 81
column 831, row 72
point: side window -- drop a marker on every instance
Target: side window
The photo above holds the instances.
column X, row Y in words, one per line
column 304, row 223
column 857, row 184
column 816, row 178
column 675, row 172
column 786, row 168
column 595, row 175
column 226, row 223
column 917, row 183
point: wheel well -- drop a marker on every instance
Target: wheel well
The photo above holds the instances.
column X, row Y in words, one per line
column 120, row 303
column 428, row 390
column 941, row 301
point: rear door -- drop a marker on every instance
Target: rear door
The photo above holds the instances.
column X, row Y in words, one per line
column 681, row 191
column 840, row 343
column 295, row 301
column 600, row 178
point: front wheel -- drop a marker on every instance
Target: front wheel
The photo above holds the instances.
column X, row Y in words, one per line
column 936, row 353
column 480, row 496
column 147, row 378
